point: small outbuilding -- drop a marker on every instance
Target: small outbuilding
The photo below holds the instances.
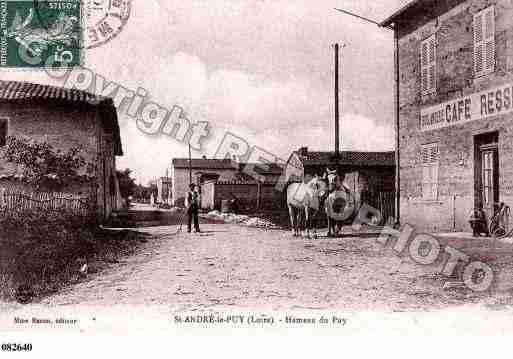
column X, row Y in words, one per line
column 198, row 170
column 64, row 118
column 369, row 175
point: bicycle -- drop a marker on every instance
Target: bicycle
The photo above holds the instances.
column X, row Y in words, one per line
column 499, row 223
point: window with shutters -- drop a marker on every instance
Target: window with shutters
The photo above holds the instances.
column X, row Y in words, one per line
column 4, row 123
column 430, row 163
column 428, row 65
column 484, row 42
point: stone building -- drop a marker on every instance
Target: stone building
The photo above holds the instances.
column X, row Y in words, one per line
column 363, row 171
column 455, row 70
column 213, row 170
column 369, row 175
column 64, row 118
column 202, row 169
column 252, row 188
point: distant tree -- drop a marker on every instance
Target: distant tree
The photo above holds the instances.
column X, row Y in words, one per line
column 42, row 164
column 152, row 187
column 127, row 185
column 139, row 192
column 142, row 193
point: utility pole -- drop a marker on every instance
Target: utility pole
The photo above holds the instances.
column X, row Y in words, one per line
column 397, row 211
column 337, row 114
column 393, row 28
column 190, row 165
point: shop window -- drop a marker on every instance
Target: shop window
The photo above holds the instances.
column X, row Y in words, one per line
column 484, row 42
column 4, row 127
column 430, row 163
column 428, row 65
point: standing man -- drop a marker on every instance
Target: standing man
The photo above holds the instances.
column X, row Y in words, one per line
column 192, row 202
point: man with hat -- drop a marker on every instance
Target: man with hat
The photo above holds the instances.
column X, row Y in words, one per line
column 192, row 202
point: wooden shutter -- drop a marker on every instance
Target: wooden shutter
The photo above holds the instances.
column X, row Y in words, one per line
column 430, row 163
column 432, row 63
column 489, row 31
column 424, row 68
column 484, row 42
column 428, row 65
column 434, row 180
column 429, row 153
column 426, row 182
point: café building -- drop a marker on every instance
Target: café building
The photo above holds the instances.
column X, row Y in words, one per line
column 455, row 99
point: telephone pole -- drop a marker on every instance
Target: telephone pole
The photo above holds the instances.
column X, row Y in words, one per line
column 337, row 47
column 396, row 105
column 337, row 114
column 190, row 165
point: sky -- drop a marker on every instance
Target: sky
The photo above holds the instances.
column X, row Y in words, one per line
column 260, row 69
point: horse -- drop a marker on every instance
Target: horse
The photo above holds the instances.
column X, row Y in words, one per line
column 339, row 204
column 307, row 198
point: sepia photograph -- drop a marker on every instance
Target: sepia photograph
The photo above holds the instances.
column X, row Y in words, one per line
column 254, row 167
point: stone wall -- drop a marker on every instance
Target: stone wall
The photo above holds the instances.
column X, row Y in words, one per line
column 180, row 181
column 248, row 196
column 454, row 61
column 64, row 127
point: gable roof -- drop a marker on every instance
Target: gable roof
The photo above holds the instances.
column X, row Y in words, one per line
column 16, row 91
column 264, row 169
column 213, row 164
column 392, row 18
column 426, row 9
column 352, row 158
column 202, row 163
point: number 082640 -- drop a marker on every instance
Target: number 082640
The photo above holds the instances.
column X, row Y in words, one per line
column 16, row 347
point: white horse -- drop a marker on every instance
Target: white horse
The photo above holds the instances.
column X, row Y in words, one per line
column 304, row 198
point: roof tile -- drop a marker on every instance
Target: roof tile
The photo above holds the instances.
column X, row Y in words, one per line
column 354, row 158
column 15, row 90
column 201, row 163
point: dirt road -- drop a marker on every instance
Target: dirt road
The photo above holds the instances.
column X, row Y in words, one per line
column 231, row 266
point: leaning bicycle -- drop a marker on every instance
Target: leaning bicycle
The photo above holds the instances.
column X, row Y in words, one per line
column 499, row 223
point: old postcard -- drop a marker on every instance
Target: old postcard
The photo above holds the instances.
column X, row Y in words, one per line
column 330, row 167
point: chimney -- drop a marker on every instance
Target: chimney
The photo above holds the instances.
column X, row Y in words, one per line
column 303, row 151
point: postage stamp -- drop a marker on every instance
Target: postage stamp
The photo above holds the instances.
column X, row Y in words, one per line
column 49, row 33
column 102, row 20
column 32, row 38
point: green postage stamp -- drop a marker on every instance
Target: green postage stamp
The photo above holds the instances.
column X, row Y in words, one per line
column 40, row 33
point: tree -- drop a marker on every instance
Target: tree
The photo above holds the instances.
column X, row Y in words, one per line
column 127, row 185
column 42, row 164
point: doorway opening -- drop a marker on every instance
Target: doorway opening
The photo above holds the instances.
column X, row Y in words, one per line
column 486, row 172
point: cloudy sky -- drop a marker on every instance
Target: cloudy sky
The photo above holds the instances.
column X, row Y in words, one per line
column 262, row 69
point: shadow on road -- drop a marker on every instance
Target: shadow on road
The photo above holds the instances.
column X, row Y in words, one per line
column 152, row 217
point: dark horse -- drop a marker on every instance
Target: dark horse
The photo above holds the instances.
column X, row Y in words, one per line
column 340, row 203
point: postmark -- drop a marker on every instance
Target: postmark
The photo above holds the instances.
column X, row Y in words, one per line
column 26, row 41
column 105, row 19
column 102, row 20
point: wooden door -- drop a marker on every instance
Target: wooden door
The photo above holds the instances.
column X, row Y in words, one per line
column 489, row 180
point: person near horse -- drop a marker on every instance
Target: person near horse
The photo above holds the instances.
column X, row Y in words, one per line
column 192, row 203
column 339, row 204
column 332, row 178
